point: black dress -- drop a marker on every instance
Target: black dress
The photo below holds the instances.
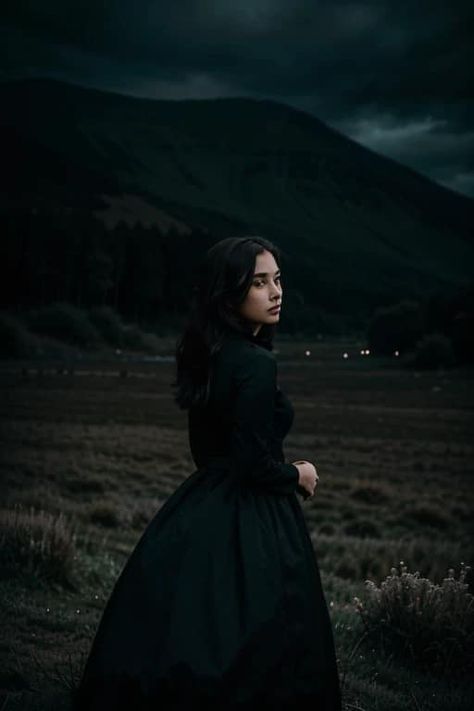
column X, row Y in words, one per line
column 220, row 605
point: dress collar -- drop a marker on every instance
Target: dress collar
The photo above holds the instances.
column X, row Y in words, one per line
column 248, row 337
column 241, row 336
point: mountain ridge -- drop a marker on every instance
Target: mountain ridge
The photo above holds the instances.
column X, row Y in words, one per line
column 238, row 165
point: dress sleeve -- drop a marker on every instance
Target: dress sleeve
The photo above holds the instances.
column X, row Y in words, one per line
column 252, row 427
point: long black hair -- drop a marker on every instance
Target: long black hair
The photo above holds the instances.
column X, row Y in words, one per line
column 222, row 281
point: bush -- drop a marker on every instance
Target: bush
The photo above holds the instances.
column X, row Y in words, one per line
column 15, row 339
column 64, row 322
column 396, row 327
column 135, row 338
column 427, row 625
column 434, row 350
column 109, row 325
column 36, row 542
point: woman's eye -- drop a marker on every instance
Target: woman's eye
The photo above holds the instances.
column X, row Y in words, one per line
column 260, row 282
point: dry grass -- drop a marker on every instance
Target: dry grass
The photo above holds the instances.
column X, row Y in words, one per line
column 429, row 627
column 37, row 543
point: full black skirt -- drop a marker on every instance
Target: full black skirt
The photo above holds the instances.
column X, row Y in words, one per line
column 219, row 607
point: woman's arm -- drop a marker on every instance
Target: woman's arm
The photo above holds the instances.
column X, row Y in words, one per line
column 252, row 426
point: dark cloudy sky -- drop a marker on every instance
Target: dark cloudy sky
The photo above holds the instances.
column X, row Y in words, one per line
column 395, row 76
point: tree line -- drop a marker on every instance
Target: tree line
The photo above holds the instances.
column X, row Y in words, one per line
column 140, row 272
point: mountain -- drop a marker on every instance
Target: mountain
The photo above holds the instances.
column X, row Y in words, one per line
column 351, row 223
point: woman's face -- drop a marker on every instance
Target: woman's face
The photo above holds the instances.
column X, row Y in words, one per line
column 265, row 292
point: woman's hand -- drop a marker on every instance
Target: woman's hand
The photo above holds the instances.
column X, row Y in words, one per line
column 308, row 478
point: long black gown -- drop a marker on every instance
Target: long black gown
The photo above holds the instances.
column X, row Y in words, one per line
column 220, row 605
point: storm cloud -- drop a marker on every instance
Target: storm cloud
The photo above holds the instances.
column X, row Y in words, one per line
column 396, row 77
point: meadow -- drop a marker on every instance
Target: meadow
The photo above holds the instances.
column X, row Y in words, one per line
column 99, row 449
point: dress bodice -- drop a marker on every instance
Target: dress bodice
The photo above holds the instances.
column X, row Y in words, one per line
column 247, row 415
column 284, row 414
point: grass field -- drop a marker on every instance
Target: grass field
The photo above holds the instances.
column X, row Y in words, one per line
column 393, row 449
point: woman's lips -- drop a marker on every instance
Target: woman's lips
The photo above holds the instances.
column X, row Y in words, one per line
column 275, row 309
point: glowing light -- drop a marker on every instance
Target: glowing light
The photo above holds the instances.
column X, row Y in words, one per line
column 345, row 355
column 397, row 353
column 307, row 353
column 367, row 352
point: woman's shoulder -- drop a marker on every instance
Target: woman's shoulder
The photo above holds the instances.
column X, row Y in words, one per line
column 240, row 361
column 244, row 349
column 241, row 357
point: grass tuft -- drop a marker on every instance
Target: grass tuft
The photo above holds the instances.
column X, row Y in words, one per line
column 36, row 542
column 423, row 624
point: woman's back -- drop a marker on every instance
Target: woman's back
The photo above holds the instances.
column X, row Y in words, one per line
column 246, row 418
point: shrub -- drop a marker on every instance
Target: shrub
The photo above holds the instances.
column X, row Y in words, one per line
column 108, row 323
column 432, row 351
column 427, row 625
column 396, row 327
column 15, row 339
column 37, row 542
column 64, row 322
column 135, row 338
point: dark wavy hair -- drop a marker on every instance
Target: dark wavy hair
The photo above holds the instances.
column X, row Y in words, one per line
column 221, row 283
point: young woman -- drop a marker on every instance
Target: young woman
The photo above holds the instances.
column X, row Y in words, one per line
column 220, row 606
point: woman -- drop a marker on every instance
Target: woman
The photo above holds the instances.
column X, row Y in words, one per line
column 220, row 606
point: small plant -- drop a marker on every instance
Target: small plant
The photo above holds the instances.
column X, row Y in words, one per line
column 429, row 625
column 38, row 542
